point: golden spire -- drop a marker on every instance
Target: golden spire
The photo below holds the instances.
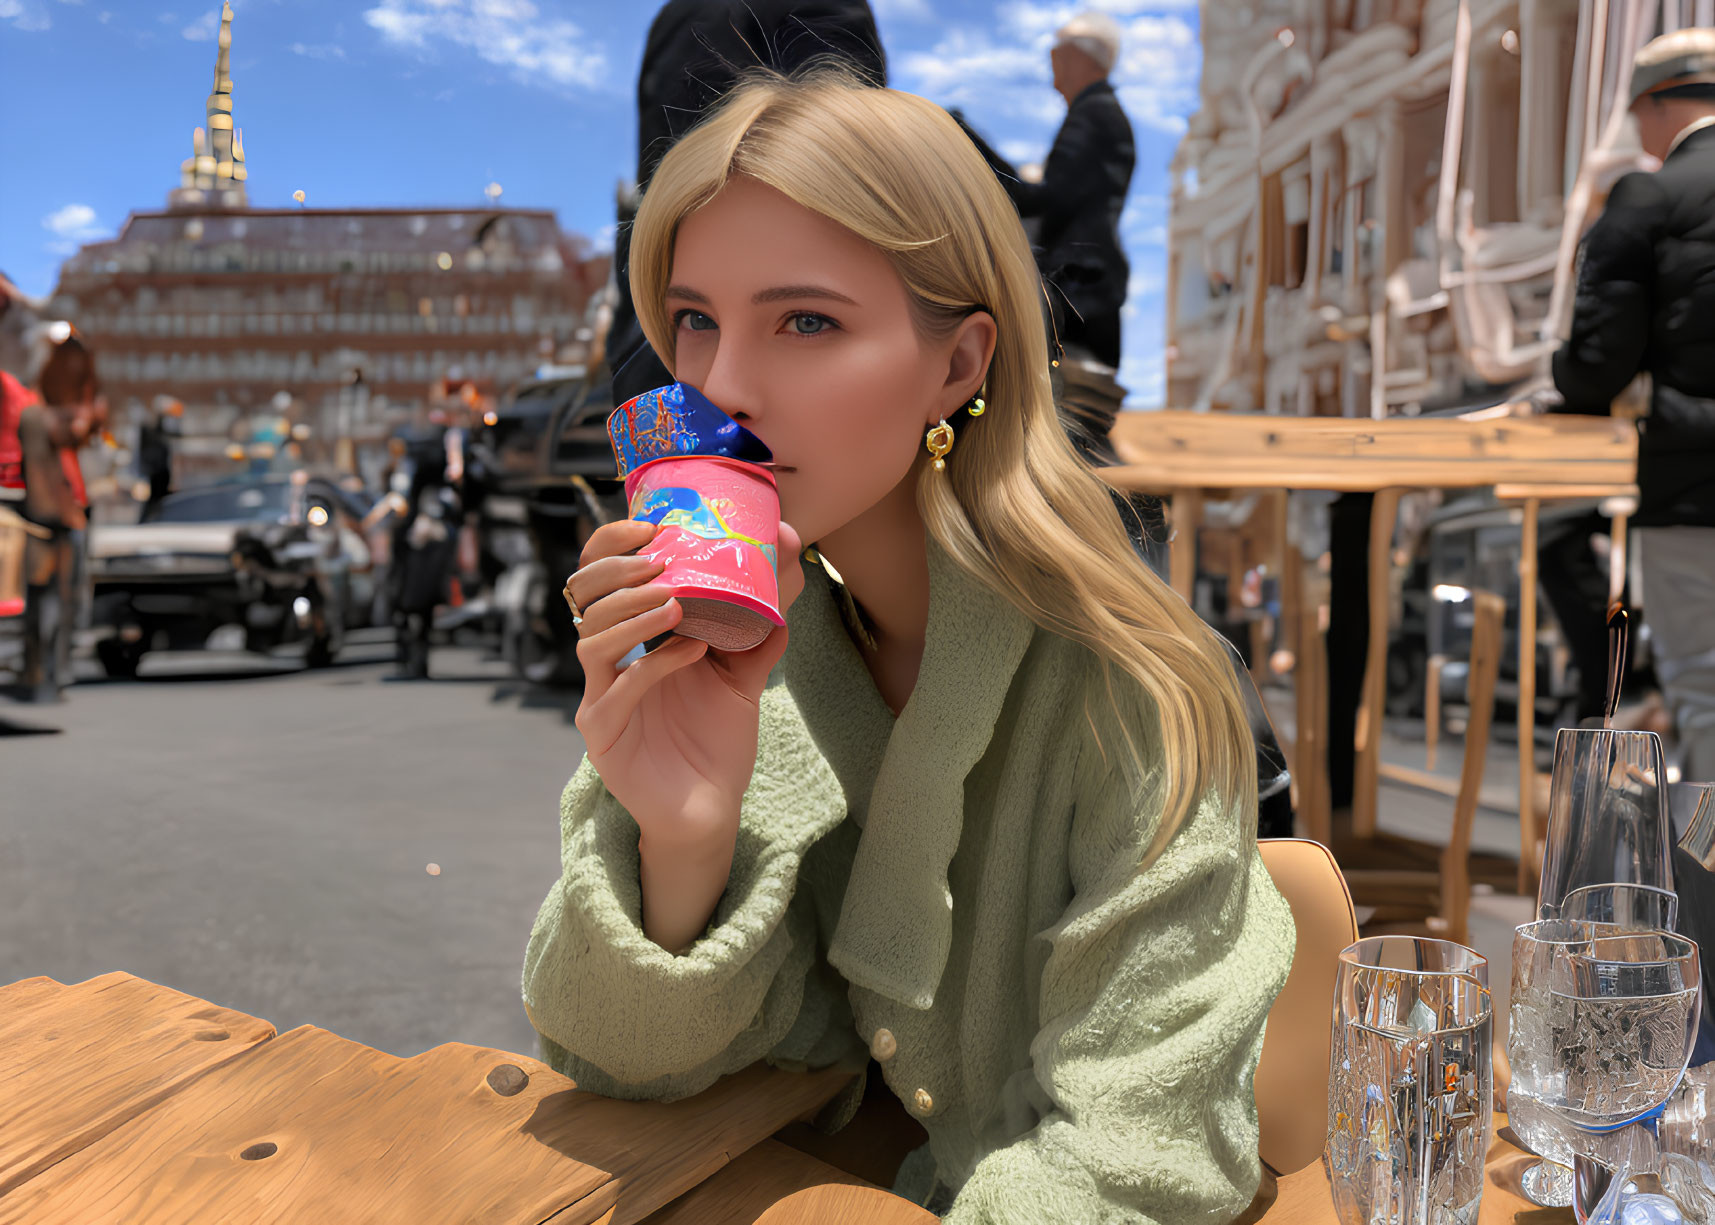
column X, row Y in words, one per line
column 216, row 163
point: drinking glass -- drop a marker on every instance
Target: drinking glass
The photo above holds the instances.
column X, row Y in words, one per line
column 1607, row 816
column 1687, row 1145
column 1608, row 827
column 1410, row 1083
column 1532, row 1055
column 1693, row 809
column 1633, row 907
column 1622, row 1013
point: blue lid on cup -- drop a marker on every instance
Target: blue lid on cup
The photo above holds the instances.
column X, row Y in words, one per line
column 678, row 420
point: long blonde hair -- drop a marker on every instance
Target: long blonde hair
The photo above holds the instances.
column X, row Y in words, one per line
column 1015, row 507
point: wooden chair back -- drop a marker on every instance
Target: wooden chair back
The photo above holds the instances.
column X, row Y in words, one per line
column 1490, row 619
column 1292, row 1076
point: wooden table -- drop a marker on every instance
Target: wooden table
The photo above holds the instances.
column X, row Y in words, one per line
column 1526, row 459
column 1303, row 1198
column 128, row 1103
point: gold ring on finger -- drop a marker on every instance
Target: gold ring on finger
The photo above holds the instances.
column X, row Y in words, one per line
column 577, row 613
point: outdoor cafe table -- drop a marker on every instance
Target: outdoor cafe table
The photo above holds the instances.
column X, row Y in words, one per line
column 128, row 1103
column 1526, row 459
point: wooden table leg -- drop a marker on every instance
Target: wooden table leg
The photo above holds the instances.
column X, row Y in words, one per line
column 1617, row 557
column 1528, row 866
column 1369, row 723
column 1310, row 684
column 1432, row 709
column 1187, row 512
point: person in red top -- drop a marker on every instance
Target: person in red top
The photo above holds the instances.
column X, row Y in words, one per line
column 49, row 433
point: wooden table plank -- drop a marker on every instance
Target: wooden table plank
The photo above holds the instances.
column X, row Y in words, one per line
column 778, row 1185
column 319, row 1128
column 312, row 1127
column 79, row 1061
column 1173, row 449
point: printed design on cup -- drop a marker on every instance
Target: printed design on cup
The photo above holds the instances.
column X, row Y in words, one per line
column 687, row 509
column 678, row 420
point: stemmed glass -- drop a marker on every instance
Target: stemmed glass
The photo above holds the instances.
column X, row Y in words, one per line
column 1532, row 1055
column 1607, row 858
column 1622, row 1014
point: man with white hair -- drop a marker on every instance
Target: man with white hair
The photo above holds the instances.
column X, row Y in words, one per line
column 1081, row 193
column 1646, row 305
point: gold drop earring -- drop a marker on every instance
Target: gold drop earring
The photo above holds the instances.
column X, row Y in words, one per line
column 939, row 440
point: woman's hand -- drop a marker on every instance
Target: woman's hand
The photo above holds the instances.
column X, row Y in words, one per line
column 673, row 736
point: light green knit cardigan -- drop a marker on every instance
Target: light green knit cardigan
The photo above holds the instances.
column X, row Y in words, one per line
column 1078, row 1039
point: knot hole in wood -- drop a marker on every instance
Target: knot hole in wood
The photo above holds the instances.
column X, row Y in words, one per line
column 508, row 1079
column 258, row 1151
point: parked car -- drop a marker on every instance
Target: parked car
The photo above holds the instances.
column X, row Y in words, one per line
column 555, row 483
column 258, row 563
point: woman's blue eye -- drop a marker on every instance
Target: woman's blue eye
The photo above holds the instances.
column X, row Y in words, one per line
column 819, row 324
column 680, row 317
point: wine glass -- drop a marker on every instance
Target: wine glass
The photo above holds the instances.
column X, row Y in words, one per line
column 1622, row 1014
column 1410, row 1083
column 1633, row 907
column 1607, row 857
column 1531, row 1054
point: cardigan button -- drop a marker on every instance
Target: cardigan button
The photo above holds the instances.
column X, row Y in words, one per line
column 925, row 1103
column 883, row 1046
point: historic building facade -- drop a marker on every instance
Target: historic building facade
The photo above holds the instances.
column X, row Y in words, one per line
column 1377, row 206
column 339, row 319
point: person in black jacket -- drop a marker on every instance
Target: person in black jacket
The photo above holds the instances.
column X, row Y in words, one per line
column 1645, row 304
column 696, row 51
column 1082, row 192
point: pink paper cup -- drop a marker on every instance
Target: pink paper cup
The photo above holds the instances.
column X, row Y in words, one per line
column 720, row 540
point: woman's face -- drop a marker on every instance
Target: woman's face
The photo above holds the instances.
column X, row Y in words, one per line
column 803, row 332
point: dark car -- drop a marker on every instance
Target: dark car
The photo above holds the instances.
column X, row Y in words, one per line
column 260, row 562
column 554, row 482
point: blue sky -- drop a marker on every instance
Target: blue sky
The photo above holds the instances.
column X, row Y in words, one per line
column 424, row 102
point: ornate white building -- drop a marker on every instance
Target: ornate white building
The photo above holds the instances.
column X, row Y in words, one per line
column 1377, row 207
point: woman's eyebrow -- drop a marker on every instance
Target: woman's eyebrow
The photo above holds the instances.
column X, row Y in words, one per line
column 779, row 293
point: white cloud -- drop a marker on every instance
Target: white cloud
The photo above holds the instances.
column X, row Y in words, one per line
column 203, row 28
column 509, row 33
column 903, row 10
column 318, row 51
column 72, row 225
column 1001, row 71
column 602, row 243
column 25, row 14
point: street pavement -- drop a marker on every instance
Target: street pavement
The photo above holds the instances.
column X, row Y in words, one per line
column 260, row 835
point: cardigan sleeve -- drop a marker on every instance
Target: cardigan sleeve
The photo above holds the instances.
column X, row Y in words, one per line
column 626, row 1018
column 1153, row 1000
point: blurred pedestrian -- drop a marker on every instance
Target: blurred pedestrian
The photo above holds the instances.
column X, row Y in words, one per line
column 1645, row 304
column 1075, row 203
column 50, row 431
column 155, row 448
column 696, row 51
column 1079, row 197
column 425, row 537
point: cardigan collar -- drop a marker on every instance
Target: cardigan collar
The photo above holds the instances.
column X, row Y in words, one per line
column 904, row 778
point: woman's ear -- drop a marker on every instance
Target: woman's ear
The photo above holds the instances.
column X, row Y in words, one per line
column 969, row 351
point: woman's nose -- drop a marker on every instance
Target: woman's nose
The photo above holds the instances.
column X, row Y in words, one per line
column 730, row 384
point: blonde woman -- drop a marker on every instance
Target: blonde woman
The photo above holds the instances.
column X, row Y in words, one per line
column 993, row 825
